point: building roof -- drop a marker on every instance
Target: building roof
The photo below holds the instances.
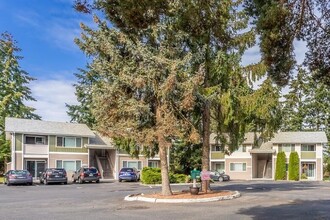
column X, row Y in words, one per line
column 28, row 126
column 100, row 142
column 303, row 137
column 300, row 137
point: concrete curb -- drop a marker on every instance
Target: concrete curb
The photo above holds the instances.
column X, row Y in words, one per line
column 140, row 197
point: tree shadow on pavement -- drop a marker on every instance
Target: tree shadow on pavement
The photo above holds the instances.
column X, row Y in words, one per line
column 297, row 209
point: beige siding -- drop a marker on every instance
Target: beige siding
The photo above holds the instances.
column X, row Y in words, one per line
column 84, row 141
column 54, row 157
column 319, row 174
column 19, row 165
column 242, row 175
column 127, row 158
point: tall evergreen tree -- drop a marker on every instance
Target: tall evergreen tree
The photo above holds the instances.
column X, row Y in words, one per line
column 280, row 23
column 207, row 38
column 13, row 90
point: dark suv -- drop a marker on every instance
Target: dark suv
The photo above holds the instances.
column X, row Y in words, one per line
column 86, row 174
column 54, row 175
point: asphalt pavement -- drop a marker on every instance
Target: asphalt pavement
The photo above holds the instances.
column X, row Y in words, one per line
column 259, row 200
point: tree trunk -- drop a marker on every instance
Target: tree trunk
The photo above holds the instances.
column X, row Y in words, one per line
column 166, row 188
column 206, row 137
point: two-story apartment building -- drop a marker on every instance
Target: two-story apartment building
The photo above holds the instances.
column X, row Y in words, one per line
column 37, row 145
column 259, row 162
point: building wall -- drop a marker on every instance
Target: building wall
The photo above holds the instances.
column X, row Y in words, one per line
column 319, row 174
column 54, row 157
column 19, row 163
column 242, row 175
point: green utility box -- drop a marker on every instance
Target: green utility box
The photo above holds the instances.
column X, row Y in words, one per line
column 195, row 173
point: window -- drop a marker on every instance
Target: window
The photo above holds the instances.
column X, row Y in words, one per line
column 286, row 147
column 152, row 163
column 307, row 147
column 68, row 142
column 237, row 166
column 241, row 148
column 219, row 167
column 35, row 140
column 68, row 165
column 217, row 148
column 133, row 164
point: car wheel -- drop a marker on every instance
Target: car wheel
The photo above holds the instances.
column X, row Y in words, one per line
column 220, row 179
column 97, row 181
column 80, row 181
column 119, row 180
column 65, row 183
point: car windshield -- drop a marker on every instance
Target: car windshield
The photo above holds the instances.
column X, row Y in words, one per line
column 56, row 170
column 127, row 170
column 20, row 172
column 91, row 170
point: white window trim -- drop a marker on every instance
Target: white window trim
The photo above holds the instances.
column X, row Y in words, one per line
column 75, row 141
column 35, row 142
column 75, row 160
column 240, row 171
column 122, row 163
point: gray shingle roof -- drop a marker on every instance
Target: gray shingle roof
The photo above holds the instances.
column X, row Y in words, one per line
column 287, row 137
column 100, row 141
column 28, row 126
column 300, row 137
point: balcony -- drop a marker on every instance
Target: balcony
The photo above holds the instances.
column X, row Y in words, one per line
column 216, row 155
column 308, row 155
column 35, row 149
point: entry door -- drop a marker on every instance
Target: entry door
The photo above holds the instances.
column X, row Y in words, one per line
column 35, row 167
column 309, row 170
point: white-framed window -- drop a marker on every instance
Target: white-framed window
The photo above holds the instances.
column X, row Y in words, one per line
column 308, row 147
column 36, row 140
column 217, row 148
column 153, row 163
column 286, row 147
column 132, row 164
column 237, row 167
column 68, row 165
column 68, row 141
column 219, row 166
column 241, row 148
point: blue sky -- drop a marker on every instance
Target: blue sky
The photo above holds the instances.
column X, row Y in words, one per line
column 45, row 30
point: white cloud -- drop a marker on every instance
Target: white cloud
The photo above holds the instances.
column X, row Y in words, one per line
column 51, row 96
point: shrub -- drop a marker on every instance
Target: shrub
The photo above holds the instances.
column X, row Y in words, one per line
column 303, row 176
column 294, row 166
column 151, row 175
column 280, row 173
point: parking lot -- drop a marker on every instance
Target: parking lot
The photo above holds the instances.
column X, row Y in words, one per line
column 259, row 200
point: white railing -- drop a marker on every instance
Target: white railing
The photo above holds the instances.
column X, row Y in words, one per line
column 35, row 149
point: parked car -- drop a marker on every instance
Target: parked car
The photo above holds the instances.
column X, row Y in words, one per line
column 53, row 175
column 18, row 177
column 131, row 174
column 219, row 176
column 86, row 174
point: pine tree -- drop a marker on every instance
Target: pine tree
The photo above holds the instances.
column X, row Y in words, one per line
column 294, row 166
column 13, row 90
column 280, row 172
column 280, row 23
column 206, row 40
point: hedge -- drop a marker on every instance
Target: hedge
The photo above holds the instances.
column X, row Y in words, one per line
column 151, row 175
column 294, row 166
column 280, row 173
